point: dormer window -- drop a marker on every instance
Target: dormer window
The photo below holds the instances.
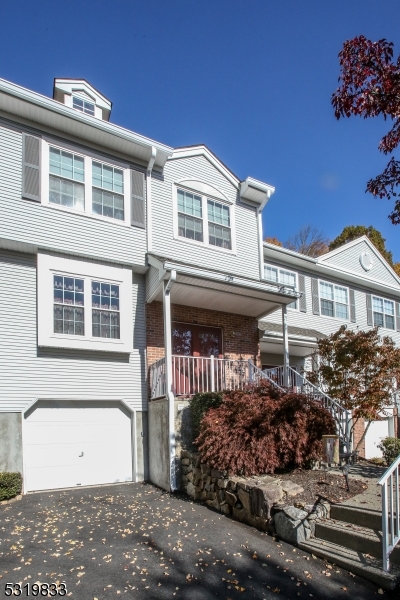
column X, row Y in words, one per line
column 80, row 95
column 83, row 105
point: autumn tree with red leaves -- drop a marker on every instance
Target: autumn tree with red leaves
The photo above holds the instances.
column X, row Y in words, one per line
column 369, row 87
column 360, row 370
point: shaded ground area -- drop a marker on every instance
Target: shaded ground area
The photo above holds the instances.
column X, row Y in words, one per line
column 319, row 484
column 137, row 541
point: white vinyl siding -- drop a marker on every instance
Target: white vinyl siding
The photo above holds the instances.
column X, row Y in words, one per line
column 283, row 276
column 383, row 313
column 334, row 300
column 29, row 373
column 48, row 227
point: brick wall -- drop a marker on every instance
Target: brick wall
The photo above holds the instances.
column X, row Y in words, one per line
column 239, row 333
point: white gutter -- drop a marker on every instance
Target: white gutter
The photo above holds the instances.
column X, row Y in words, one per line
column 148, row 198
column 168, row 377
column 260, row 243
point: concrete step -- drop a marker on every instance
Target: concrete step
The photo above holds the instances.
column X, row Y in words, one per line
column 357, row 516
column 353, row 537
column 357, row 563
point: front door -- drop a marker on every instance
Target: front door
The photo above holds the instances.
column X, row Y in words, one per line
column 192, row 347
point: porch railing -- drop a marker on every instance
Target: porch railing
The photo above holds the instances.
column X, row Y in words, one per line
column 389, row 483
column 199, row 374
column 298, row 383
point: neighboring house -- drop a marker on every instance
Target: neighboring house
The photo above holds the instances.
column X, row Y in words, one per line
column 352, row 285
column 128, row 270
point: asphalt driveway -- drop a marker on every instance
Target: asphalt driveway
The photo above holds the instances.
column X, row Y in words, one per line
column 137, row 541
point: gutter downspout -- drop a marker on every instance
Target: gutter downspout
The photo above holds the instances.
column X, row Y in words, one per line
column 260, row 242
column 149, row 206
column 168, row 378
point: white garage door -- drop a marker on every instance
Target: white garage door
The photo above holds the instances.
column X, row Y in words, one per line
column 69, row 444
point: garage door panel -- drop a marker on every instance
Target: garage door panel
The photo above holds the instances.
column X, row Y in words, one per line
column 77, row 444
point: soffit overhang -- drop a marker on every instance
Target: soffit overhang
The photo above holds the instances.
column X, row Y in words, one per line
column 220, row 291
column 52, row 115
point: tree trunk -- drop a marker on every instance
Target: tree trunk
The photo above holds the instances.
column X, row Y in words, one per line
column 363, row 435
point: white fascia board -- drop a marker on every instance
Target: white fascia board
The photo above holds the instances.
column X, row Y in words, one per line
column 284, row 254
column 204, row 151
column 229, row 279
column 324, row 257
column 285, row 257
column 256, row 191
column 97, row 398
column 29, row 98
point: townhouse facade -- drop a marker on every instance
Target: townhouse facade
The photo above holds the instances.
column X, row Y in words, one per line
column 129, row 271
column 353, row 286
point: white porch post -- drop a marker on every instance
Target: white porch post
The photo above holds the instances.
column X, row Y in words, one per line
column 168, row 378
column 285, row 346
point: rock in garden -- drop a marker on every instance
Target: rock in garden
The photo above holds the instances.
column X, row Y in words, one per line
column 291, row 525
column 291, row 489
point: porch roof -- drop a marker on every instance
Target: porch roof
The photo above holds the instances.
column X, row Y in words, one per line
column 302, row 340
column 220, row 291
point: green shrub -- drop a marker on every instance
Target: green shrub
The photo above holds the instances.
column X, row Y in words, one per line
column 390, row 449
column 10, row 485
column 199, row 405
column 260, row 429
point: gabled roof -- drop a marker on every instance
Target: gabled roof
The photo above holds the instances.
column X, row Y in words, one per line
column 356, row 262
column 251, row 190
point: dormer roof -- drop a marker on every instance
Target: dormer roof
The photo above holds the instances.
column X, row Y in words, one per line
column 64, row 90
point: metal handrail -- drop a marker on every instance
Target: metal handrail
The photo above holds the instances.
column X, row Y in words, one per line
column 390, row 511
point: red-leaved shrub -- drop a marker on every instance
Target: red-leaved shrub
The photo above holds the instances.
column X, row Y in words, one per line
column 260, row 429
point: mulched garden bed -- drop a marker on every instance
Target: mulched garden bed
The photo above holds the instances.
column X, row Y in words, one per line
column 324, row 486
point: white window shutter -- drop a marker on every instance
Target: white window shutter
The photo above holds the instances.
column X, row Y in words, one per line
column 30, row 167
column 138, row 208
column 315, row 296
column 352, row 306
column 370, row 320
column 397, row 316
column 302, row 289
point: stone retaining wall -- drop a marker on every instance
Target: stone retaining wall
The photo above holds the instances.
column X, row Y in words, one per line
column 264, row 501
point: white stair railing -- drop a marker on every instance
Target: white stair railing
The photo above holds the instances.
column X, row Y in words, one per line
column 301, row 385
column 389, row 483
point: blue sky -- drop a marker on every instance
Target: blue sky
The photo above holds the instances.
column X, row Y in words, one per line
column 251, row 79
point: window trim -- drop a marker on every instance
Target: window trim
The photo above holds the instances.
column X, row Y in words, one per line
column 88, row 158
column 373, row 311
column 296, row 308
column 334, row 301
column 47, row 267
column 204, row 197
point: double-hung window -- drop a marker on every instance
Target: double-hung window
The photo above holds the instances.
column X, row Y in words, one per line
column 204, row 219
column 383, row 312
column 334, row 300
column 108, row 191
column 219, row 226
column 69, row 305
column 66, row 179
column 190, row 216
column 283, row 277
column 105, row 310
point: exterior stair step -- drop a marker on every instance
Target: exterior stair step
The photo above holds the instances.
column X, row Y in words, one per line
column 353, row 537
column 357, row 563
column 363, row 517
